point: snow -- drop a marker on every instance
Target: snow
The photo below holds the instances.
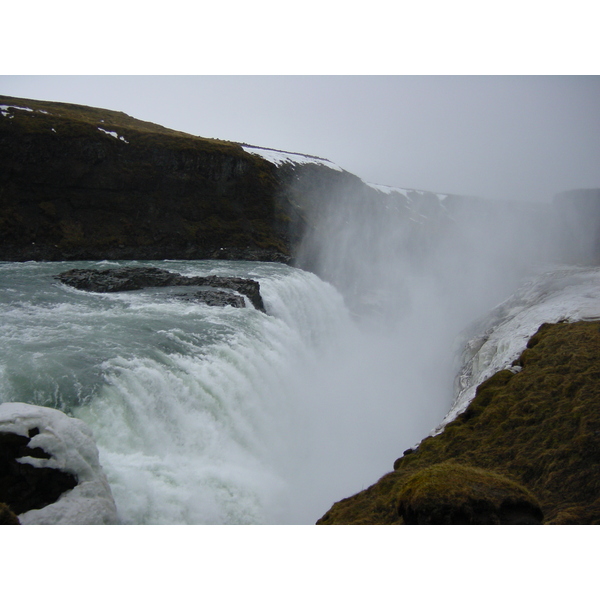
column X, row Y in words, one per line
column 114, row 134
column 564, row 294
column 72, row 448
column 411, row 199
column 278, row 157
column 4, row 109
column 388, row 189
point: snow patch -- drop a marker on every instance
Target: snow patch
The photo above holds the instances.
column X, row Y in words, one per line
column 4, row 110
column 277, row 157
column 72, row 448
column 114, row 134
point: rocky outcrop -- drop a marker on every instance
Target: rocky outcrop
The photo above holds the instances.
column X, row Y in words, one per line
column 538, row 426
column 214, row 298
column 136, row 278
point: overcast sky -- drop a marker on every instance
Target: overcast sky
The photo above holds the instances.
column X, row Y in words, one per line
column 521, row 137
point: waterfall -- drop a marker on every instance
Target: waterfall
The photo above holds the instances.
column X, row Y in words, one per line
column 199, row 413
column 229, row 415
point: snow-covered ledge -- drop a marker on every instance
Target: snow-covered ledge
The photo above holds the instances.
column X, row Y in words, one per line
column 72, row 449
column 567, row 293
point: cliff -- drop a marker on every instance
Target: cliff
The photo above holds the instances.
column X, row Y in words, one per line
column 84, row 183
column 79, row 183
column 536, row 429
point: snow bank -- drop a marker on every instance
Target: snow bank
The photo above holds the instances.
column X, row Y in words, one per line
column 277, row 157
column 566, row 294
column 72, row 448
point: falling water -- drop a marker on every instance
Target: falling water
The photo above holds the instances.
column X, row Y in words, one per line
column 230, row 415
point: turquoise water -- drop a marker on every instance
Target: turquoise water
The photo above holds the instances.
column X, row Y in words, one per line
column 222, row 415
column 192, row 406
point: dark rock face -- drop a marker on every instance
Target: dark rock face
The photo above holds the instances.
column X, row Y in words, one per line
column 137, row 278
column 22, row 486
column 81, row 183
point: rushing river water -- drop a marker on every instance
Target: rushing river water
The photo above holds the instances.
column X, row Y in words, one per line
column 209, row 414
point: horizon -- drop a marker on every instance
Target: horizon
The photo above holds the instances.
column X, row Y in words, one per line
column 524, row 138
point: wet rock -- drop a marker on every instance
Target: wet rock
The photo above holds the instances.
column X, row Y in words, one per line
column 24, row 487
column 215, row 298
column 137, row 278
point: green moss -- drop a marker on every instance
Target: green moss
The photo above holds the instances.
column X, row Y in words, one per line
column 539, row 427
column 451, row 493
column 75, row 120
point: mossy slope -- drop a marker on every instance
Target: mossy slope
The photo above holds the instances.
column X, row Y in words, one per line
column 539, row 427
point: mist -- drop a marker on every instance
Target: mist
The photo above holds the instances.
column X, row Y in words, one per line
column 412, row 287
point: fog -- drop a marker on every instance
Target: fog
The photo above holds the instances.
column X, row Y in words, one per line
column 509, row 137
column 413, row 288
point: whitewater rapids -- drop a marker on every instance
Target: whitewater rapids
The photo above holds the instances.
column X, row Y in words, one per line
column 207, row 415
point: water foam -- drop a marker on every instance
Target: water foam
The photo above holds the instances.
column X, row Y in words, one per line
column 193, row 408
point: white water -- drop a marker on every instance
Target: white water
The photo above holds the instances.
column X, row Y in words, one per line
column 226, row 415
column 201, row 414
